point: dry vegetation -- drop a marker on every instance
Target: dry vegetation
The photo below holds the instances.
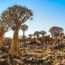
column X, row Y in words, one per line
column 36, row 49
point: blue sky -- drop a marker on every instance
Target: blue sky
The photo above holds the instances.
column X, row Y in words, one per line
column 47, row 13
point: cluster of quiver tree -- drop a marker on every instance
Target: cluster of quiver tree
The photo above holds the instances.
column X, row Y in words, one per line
column 13, row 19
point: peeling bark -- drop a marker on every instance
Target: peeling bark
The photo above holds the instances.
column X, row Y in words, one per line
column 14, row 50
column 14, row 46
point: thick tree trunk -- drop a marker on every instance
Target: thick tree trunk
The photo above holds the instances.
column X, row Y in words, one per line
column 14, row 46
column 1, row 40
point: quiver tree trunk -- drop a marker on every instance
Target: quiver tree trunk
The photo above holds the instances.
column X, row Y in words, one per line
column 1, row 40
column 14, row 46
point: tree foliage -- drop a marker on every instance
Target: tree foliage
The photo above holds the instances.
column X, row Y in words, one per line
column 56, row 30
column 24, row 27
column 16, row 15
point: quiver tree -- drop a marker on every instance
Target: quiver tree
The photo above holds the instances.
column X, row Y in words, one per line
column 24, row 27
column 15, row 16
column 36, row 34
column 30, row 36
column 56, row 31
column 42, row 33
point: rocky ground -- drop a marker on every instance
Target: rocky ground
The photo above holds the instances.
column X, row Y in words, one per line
column 44, row 54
